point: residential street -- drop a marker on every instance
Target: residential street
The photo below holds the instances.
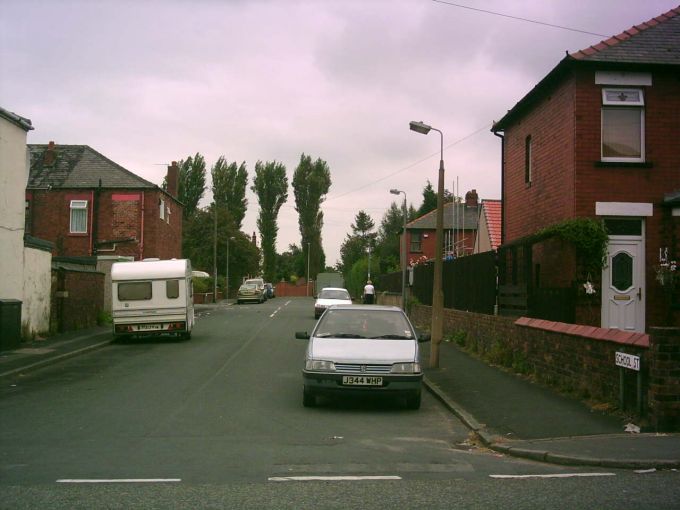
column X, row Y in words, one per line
column 218, row 421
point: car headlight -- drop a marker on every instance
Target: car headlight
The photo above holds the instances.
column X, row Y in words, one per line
column 406, row 368
column 317, row 364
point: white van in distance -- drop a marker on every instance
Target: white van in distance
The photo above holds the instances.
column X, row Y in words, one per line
column 152, row 297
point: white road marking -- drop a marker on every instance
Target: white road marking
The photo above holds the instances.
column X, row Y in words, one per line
column 275, row 312
column 329, row 478
column 559, row 475
column 121, row 480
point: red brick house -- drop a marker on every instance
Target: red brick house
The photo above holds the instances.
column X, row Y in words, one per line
column 598, row 138
column 88, row 205
column 460, row 230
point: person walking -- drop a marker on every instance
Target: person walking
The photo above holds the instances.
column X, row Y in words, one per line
column 369, row 293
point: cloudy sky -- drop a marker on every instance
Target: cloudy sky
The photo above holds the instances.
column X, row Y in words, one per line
column 146, row 82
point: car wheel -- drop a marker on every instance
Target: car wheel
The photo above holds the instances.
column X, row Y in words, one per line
column 308, row 398
column 413, row 401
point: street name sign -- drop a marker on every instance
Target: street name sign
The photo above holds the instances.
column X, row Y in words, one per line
column 627, row 361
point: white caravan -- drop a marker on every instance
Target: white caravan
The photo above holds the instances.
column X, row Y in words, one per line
column 152, row 297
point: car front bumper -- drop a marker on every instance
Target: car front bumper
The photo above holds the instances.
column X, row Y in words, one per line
column 331, row 383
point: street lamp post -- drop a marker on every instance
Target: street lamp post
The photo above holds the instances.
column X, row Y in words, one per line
column 369, row 259
column 309, row 250
column 215, row 255
column 404, row 256
column 226, row 282
column 437, row 291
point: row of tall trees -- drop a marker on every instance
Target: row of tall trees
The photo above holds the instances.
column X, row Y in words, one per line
column 223, row 218
column 365, row 250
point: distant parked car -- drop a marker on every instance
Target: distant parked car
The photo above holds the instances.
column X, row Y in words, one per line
column 330, row 296
column 250, row 292
column 260, row 285
column 270, row 290
column 362, row 349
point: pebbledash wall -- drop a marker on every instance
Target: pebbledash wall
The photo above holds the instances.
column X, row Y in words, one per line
column 575, row 358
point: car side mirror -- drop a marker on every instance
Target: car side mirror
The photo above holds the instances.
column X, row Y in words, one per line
column 302, row 335
column 423, row 337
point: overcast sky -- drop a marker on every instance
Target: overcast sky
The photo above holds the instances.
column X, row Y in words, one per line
column 148, row 82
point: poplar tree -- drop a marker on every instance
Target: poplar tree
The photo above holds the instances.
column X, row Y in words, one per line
column 311, row 182
column 271, row 187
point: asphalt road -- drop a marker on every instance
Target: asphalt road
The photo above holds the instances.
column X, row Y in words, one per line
column 218, row 422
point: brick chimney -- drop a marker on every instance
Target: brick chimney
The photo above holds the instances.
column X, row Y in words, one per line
column 50, row 155
column 173, row 179
column 254, row 239
column 471, row 198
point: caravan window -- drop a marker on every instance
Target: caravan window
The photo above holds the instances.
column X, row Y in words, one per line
column 172, row 289
column 134, row 291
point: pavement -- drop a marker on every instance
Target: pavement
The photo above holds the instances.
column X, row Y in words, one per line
column 508, row 414
column 517, row 417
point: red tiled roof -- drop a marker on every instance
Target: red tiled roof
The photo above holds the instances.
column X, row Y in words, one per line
column 625, row 35
column 492, row 213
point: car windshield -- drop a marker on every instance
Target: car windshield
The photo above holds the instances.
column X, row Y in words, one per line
column 334, row 294
column 374, row 324
column 254, row 282
column 249, row 286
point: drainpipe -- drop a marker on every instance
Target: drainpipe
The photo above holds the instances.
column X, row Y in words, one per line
column 141, row 234
column 92, row 219
column 95, row 219
column 502, row 137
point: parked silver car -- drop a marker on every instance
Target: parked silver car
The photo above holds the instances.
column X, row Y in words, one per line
column 362, row 349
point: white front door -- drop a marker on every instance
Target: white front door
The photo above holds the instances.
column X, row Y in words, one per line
column 623, row 285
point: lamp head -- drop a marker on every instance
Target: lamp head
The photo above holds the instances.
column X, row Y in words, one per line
column 395, row 191
column 419, row 127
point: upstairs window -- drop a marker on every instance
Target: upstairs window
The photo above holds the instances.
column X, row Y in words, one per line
column 623, row 125
column 161, row 208
column 415, row 243
column 78, row 217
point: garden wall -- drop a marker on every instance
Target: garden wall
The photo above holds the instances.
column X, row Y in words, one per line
column 575, row 359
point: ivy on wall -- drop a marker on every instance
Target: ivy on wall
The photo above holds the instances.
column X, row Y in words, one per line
column 588, row 236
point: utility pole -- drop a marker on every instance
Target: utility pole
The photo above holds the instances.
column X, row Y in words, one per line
column 215, row 254
column 309, row 250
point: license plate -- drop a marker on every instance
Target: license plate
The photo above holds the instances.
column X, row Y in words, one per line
column 361, row 380
column 148, row 327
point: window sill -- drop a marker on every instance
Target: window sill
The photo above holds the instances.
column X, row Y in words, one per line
column 622, row 164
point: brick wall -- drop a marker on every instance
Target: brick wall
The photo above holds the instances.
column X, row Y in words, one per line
column 122, row 214
column 77, row 299
column 574, row 364
column 664, row 377
column 549, row 198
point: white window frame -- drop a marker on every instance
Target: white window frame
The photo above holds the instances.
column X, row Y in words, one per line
column 77, row 205
column 161, row 208
column 609, row 103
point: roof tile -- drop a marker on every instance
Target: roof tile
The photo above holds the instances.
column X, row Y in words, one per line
column 79, row 166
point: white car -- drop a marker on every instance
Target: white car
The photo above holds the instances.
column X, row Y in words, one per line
column 330, row 296
column 363, row 349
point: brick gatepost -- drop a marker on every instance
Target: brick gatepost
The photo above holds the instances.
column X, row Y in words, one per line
column 664, row 379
